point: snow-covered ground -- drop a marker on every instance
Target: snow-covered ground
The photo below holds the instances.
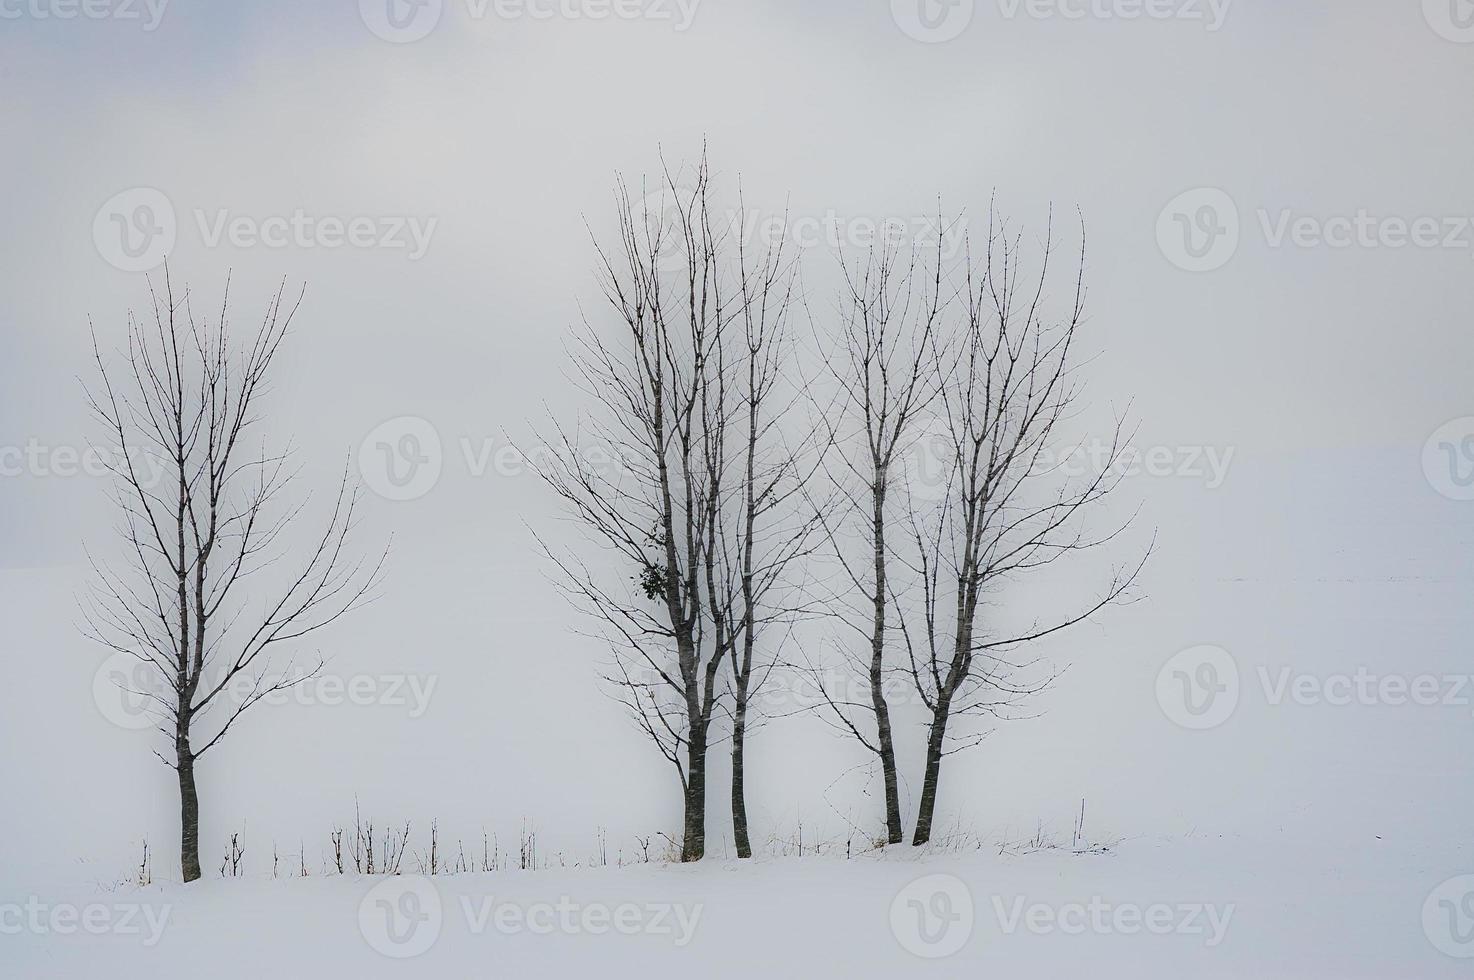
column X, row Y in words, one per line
column 1300, row 835
column 1189, row 907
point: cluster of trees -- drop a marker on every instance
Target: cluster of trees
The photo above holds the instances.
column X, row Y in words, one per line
column 889, row 493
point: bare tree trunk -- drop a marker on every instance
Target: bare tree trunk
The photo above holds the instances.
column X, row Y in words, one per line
column 934, row 743
column 739, row 792
column 693, row 842
column 189, row 811
column 884, row 741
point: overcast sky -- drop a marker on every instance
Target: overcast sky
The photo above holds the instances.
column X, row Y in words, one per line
column 1277, row 208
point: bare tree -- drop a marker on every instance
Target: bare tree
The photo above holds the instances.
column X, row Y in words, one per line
column 652, row 496
column 773, row 530
column 682, row 476
column 1002, row 508
column 889, row 312
column 197, row 539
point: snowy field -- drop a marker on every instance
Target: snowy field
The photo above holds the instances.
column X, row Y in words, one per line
column 1190, row 907
column 1307, row 831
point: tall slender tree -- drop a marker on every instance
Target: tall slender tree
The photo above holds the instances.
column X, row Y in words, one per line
column 1001, row 510
column 884, row 370
column 202, row 537
column 682, row 476
column 660, row 422
column 773, row 531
